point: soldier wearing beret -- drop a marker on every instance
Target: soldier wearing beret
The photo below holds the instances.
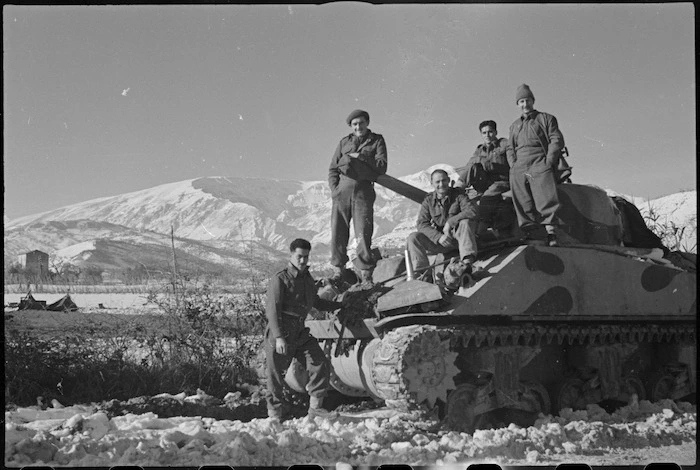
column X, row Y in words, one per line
column 534, row 150
column 290, row 295
column 358, row 160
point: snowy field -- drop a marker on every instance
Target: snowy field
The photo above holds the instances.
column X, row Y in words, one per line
column 82, row 436
column 89, row 301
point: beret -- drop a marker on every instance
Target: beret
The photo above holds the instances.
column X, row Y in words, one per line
column 355, row 114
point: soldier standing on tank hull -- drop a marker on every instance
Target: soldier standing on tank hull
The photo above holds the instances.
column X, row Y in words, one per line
column 358, row 160
column 534, row 151
column 290, row 295
column 486, row 178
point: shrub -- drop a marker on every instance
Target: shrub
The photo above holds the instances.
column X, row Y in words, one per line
column 673, row 236
column 199, row 339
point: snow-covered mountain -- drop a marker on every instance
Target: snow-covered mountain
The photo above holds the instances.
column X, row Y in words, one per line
column 220, row 221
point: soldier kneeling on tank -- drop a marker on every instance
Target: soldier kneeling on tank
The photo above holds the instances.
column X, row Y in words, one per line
column 446, row 223
column 290, row 295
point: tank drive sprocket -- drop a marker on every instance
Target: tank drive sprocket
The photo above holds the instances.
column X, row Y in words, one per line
column 414, row 365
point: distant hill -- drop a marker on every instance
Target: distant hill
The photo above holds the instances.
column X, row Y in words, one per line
column 236, row 224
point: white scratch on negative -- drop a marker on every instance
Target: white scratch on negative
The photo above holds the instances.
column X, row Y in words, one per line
column 205, row 229
column 601, row 143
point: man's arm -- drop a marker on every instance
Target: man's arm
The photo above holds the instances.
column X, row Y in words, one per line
column 463, row 176
column 333, row 171
column 510, row 147
column 424, row 222
column 370, row 167
column 381, row 159
column 556, row 142
column 501, row 167
column 324, row 304
column 467, row 210
column 273, row 307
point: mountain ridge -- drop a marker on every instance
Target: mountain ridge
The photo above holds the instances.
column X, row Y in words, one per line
column 218, row 219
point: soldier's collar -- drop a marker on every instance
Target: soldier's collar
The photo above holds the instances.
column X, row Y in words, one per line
column 531, row 115
column 294, row 271
column 368, row 135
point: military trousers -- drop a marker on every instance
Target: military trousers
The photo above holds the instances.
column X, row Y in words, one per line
column 419, row 246
column 302, row 346
column 354, row 201
column 494, row 211
column 534, row 194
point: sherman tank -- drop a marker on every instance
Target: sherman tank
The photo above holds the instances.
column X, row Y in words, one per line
column 609, row 316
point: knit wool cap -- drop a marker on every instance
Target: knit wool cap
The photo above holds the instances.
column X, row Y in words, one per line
column 357, row 113
column 523, row 92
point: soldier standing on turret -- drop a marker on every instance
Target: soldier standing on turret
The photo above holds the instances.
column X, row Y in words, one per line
column 534, row 150
column 358, row 160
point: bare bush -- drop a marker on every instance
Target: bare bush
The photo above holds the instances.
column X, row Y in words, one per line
column 673, row 236
column 198, row 339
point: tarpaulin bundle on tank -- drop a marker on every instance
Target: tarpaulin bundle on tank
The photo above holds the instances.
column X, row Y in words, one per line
column 64, row 304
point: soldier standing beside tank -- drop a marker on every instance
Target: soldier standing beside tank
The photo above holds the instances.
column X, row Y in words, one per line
column 534, row 150
column 358, row 160
column 446, row 222
column 486, row 178
column 290, row 295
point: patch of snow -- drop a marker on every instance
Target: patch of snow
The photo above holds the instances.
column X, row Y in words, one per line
column 80, row 436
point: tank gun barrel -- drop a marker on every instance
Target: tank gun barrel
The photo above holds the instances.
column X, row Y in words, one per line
column 405, row 189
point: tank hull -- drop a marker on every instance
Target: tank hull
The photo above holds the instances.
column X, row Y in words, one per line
column 539, row 329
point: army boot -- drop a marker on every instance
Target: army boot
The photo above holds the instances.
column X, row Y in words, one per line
column 366, row 276
column 551, row 235
column 338, row 272
column 316, row 410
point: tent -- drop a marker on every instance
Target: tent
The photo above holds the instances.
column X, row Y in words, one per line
column 64, row 304
column 28, row 302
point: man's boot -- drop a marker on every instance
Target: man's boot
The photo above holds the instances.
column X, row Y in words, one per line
column 280, row 414
column 551, row 236
column 337, row 273
column 316, row 410
column 366, row 276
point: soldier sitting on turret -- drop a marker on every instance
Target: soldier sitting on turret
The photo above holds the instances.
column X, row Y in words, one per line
column 446, row 222
column 485, row 178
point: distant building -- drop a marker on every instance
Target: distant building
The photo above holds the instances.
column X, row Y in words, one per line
column 36, row 261
column 108, row 278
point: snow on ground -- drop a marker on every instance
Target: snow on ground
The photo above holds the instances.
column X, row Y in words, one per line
column 90, row 301
column 82, row 436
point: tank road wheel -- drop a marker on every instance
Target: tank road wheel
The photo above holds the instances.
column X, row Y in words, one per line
column 568, row 394
column 661, row 385
column 462, row 413
column 631, row 387
column 533, row 400
column 536, row 397
column 429, row 368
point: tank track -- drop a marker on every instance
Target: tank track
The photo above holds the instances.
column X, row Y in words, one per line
column 393, row 366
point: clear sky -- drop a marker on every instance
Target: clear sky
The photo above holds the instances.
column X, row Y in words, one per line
column 103, row 100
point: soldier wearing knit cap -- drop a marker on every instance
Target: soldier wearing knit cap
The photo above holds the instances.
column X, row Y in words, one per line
column 358, row 160
column 534, row 149
column 523, row 92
